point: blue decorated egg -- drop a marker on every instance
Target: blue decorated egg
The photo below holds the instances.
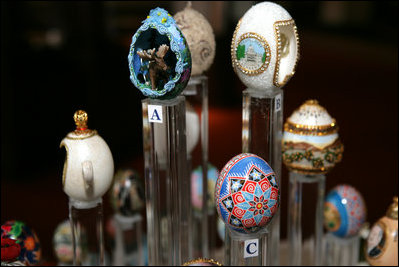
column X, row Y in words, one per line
column 196, row 188
column 159, row 57
column 247, row 194
column 127, row 195
column 344, row 211
column 31, row 251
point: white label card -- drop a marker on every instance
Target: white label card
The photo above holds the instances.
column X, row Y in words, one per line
column 251, row 248
column 155, row 114
column 277, row 103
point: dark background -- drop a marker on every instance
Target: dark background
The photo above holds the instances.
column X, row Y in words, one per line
column 57, row 57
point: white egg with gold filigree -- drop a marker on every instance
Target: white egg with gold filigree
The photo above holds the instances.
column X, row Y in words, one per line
column 200, row 38
column 89, row 166
column 311, row 143
column 265, row 47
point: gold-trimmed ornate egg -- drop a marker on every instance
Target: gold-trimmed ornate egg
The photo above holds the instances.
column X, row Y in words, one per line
column 265, row 47
column 381, row 248
column 311, row 143
column 200, row 38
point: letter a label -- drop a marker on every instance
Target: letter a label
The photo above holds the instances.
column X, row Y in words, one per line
column 155, row 113
column 251, row 248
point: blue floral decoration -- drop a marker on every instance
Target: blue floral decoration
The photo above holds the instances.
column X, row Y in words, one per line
column 157, row 29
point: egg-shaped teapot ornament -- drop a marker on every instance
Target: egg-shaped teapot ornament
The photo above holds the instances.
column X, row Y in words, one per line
column 265, row 47
column 310, row 143
column 381, row 248
column 89, row 166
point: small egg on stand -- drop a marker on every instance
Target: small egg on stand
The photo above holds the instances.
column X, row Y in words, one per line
column 247, row 194
column 310, row 143
column 344, row 211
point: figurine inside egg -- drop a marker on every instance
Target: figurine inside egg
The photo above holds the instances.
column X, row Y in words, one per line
column 344, row 211
column 63, row 244
column 197, row 192
column 265, row 47
column 127, row 195
column 159, row 57
column 199, row 36
column 311, row 143
column 247, row 194
column 30, row 247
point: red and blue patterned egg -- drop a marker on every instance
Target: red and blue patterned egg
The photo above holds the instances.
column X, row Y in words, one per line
column 31, row 251
column 344, row 211
column 247, row 194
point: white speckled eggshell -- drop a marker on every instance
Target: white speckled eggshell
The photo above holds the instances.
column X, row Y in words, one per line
column 200, row 38
column 95, row 150
column 260, row 19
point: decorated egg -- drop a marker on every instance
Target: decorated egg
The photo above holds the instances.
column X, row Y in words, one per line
column 159, row 57
column 381, row 248
column 192, row 127
column 202, row 262
column 265, row 47
column 127, row 195
column 63, row 244
column 247, row 194
column 311, row 142
column 344, row 211
column 199, row 36
column 196, row 189
column 30, row 248
column 89, row 166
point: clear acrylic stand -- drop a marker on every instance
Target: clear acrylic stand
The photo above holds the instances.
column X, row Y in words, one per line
column 311, row 216
column 86, row 215
column 261, row 135
column 341, row 251
column 203, row 241
column 247, row 249
column 128, row 240
column 167, row 184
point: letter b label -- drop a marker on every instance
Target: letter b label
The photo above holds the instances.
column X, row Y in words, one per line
column 251, row 248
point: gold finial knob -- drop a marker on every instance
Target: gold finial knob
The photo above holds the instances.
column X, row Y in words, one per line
column 312, row 102
column 80, row 118
column 393, row 209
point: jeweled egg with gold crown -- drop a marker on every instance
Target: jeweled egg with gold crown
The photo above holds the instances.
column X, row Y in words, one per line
column 311, row 143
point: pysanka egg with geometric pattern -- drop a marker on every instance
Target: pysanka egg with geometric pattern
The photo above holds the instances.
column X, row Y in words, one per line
column 247, row 194
column 344, row 211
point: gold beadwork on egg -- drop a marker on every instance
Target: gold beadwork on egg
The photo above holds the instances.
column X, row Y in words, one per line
column 393, row 209
column 283, row 50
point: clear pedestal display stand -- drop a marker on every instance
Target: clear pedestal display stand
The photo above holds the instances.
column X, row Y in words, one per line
column 247, row 197
column 196, row 94
column 128, row 240
column 341, row 251
column 315, row 185
column 87, row 175
column 167, row 184
column 128, row 200
column 160, row 67
column 261, row 135
column 311, row 148
column 265, row 51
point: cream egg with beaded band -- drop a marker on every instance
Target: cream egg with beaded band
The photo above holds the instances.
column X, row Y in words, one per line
column 265, row 47
column 311, row 143
column 89, row 166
